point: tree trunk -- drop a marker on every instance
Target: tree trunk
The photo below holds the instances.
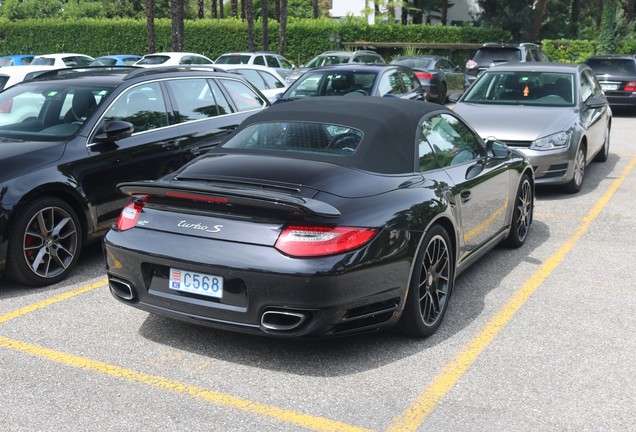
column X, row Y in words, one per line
column 234, row 8
column 150, row 25
column 537, row 19
column 249, row 16
column 176, row 14
column 629, row 10
column 316, row 11
column 575, row 13
column 200, row 9
column 265, row 17
column 444, row 12
column 277, row 10
column 283, row 27
column 213, row 12
column 221, row 11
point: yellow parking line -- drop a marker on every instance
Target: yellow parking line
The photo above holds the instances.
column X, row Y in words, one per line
column 28, row 309
column 415, row 414
column 283, row 415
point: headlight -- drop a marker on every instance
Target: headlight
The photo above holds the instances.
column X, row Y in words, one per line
column 556, row 141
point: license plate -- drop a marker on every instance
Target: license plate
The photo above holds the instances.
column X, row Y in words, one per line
column 609, row 87
column 196, row 283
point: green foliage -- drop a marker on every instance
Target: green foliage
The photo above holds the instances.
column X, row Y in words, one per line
column 568, row 51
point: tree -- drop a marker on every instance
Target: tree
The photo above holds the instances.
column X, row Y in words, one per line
column 537, row 19
column 150, row 25
column 316, row 12
column 177, row 15
column 265, row 18
column 213, row 10
column 234, row 8
column 249, row 16
column 283, row 27
column 200, row 9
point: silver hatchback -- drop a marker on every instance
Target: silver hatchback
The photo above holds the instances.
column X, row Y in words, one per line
column 554, row 113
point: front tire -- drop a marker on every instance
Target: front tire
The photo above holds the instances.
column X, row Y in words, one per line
column 522, row 214
column 44, row 244
column 576, row 183
column 431, row 285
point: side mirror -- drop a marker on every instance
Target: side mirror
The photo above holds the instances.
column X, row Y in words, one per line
column 595, row 102
column 114, row 130
column 496, row 149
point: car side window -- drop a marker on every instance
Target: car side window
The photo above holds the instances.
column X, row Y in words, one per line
column 284, row 63
column 594, row 84
column 143, row 106
column 409, row 83
column 390, row 84
column 586, row 88
column 259, row 60
column 452, row 142
column 194, row 99
column 244, row 97
column 272, row 61
column 271, row 81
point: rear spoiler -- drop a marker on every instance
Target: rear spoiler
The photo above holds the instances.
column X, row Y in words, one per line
column 238, row 194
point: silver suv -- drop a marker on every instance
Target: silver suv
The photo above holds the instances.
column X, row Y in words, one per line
column 491, row 53
column 329, row 58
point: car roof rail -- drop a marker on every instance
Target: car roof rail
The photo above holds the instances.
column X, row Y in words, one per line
column 141, row 71
column 80, row 70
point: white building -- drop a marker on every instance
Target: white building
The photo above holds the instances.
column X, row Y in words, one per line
column 460, row 11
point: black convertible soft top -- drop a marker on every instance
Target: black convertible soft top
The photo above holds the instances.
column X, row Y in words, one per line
column 390, row 127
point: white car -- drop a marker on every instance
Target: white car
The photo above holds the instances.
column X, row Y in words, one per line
column 62, row 60
column 173, row 59
column 266, row 79
column 15, row 74
column 260, row 58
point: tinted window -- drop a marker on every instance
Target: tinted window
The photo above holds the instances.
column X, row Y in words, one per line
column 452, row 142
column 390, row 84
column 143, row 106
column 272, row 61
column 259, row 60
column 153, row 60
column 271, row 80
column 233, row 59
column 612, row 66
column 304, row 137
column 488, row 55
column 194, row 99
column 244, row 97
column 284, row 63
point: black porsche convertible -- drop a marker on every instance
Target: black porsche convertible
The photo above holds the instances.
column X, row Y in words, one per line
column 322, row 217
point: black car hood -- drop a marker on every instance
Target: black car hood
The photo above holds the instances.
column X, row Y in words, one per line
column 17, row 156
column 308, row 176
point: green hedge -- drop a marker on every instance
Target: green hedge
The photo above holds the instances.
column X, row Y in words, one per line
column 211, row 37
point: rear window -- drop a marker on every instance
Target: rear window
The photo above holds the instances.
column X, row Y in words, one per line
column 613, row 66
column 43, row 61
column 153, row 60
column 298, row 137
column 233, row 59
column 495, row 55
column 328, row 60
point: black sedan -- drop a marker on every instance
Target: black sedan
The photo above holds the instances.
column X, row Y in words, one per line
column 321, row 217
column 356, row 80
column 437, row 74
column 617, row 76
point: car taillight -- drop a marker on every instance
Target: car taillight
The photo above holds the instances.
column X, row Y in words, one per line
column 423, row 75
column 630, row 86
column 471, row 64
column 129, row 215
column 312, row 241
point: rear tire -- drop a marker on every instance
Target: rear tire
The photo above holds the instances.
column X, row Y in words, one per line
column 431, row 285
column 44, row 244
column 522, row 214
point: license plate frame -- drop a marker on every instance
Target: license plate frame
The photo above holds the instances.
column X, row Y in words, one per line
column 204, row 284
column 609, row 87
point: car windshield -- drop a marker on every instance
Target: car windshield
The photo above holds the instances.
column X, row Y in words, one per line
column 327, row 60
column 299, row 137
column 103, row 62
column 332, row 83
column 153, row 60
column 43, row 61
column 47, row 110
column 6, row 62
column 415, row 63
column 497, row 55
column 525, row 88
column 233, row 59
column 613, row 66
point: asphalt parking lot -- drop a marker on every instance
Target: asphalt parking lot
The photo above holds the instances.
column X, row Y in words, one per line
column 535, row 339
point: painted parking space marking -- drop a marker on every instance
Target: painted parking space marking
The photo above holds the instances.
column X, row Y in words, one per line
column 273, row 412
column 415, row 414
column 44, row 303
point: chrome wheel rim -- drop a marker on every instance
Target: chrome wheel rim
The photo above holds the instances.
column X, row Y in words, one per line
column 434, row 280
column 579, row 167
column 50, row 242
column 524, row 210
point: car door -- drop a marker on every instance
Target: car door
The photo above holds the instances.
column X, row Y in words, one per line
column 593, row 119
column 151, row 151
column 412, row 87
column 477, row 187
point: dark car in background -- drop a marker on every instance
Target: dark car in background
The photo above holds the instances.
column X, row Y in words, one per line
column 352, row 80
column 322, row 217
column 437, row 74
column 617, row 76
column 68, row 137
column 329, row 58
column 493, row 53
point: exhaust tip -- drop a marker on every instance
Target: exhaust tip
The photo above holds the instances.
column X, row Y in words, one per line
column 278, row 320
column 121, row 289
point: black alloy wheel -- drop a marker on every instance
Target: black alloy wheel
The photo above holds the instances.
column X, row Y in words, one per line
column 522, row 214
column 431, row 285
column 44, row 244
